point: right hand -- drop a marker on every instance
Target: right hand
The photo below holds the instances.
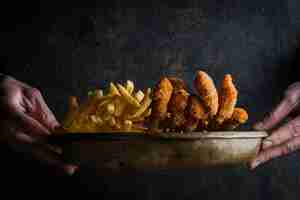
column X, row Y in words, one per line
column 26, row 121
column 284, row 139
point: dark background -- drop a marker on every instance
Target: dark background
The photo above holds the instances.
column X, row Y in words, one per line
column 66, row 49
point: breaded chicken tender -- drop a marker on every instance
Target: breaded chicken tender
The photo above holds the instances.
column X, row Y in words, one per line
column 228, row 99
column 239, row 116
column 207, row 91
column 176, row 107
column 178, row 101
column 178, row 83
column 194, row 112
column 161, row 96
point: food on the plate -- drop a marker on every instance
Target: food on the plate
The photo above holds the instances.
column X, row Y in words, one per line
column 168, row 107
column 127, row 96
column 207, row 91
column 176, row 107
column 228, row 99
column 177, row 83
column 239, row 116
column 161, row 96
column 195, row 113
column 120, row 109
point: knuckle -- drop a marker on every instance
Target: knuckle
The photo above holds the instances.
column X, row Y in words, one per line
column 273, row 116
column 294, row 128
column 35, row 92
column 292, row 96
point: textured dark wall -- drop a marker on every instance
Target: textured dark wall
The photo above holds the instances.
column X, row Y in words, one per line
column 67, row 49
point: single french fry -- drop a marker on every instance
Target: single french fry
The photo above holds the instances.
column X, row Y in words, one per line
column 146, row 102
column 120, row 106
column 129, row 86
column 112, row 121
column 139, row 96
column 73, row 109
column 113, row 90
column 127, row 125
column 110, row 108
column 130, row 99
column 99, row 93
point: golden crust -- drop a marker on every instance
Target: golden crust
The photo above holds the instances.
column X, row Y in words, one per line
column 176, row 107
column 195, row 108
column 177, row 83
column 240, row 115
column 207, row 91
column 178, row 101
column 161, row 97
column 228, row 99
column 194, row 112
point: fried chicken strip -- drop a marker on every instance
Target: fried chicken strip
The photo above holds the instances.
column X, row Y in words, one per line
column 239, row 116
column 176, row 107
column 228, row 99
column 178, row 83
column 195, row 113
column 161, row 96
column 207, row 91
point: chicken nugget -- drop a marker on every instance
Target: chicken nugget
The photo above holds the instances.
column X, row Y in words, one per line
column 194, row 112
column 228, row 99
column 207, row 91
column 161, row 96
column 178, row 83
column 176, row 107
column 178, row 101
column 239, row 116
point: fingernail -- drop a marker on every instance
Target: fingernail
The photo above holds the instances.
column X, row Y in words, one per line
column 267, row 144
column 258, row 126
column 255, row 163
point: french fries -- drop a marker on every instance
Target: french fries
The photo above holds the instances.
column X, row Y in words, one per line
column 127, row 96
column 119, row 110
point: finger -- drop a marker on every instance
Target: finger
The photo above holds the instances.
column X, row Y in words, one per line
column 25, row 144
column 284, row 133
column 41, row 111
column 283, row 149
column 30, row 125
column 278, row 114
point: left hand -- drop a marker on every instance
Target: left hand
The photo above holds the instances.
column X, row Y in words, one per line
column 285, row 139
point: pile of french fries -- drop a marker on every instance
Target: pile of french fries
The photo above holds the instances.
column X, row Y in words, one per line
column 118, row 108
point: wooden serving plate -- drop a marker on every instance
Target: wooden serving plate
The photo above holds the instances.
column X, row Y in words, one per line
column 118, row 152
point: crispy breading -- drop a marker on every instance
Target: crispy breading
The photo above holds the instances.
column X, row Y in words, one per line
column 178, row 101
column 178, row 83
column 207, row 91
column 239, row 116
column 194, row 112
column 228, row 99
column 176, row 107
column 161, row 96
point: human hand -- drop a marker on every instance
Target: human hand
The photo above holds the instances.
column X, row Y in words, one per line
column 286, row 138
column 25, row 122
